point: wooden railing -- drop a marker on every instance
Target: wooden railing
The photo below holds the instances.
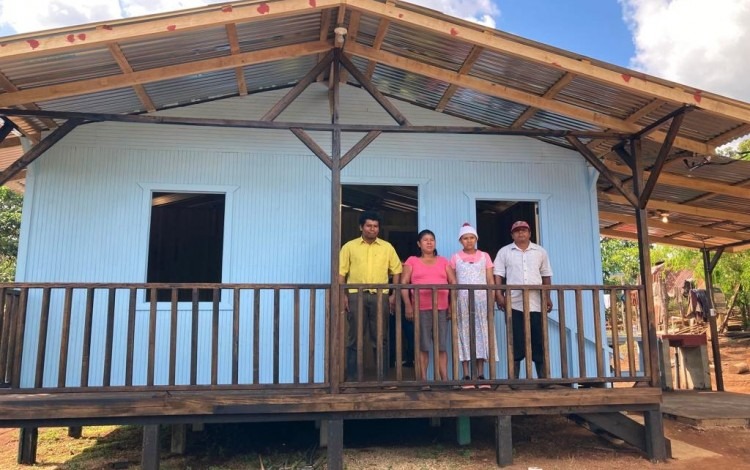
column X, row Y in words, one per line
column 260, row 336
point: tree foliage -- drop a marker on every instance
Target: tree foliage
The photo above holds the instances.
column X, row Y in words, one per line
column 10, row 227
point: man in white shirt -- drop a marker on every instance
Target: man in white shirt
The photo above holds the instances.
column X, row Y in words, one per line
column 524, row 263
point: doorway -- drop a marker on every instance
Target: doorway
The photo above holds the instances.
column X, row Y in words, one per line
column 494, row 219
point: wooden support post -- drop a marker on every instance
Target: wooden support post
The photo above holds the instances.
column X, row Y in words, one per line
column 323, row 428
column 708, row 266
column 27, row 439
column 198, row 427
column 75, row 432
column 503, row 441
column 150, row 449
column 463, row 430
column 335, row 444
column 178, row 439
column 656, row 447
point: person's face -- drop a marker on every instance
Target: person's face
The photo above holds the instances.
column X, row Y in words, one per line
column 427, row 244
column 521, row 235
column 370, row 229
column 468, row 241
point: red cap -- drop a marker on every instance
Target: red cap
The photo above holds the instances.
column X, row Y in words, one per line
column 519, row 224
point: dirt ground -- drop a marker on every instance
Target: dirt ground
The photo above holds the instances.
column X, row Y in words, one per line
column 539, row 442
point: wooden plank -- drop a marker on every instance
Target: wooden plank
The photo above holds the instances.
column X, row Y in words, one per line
column 491, row 326
column 42, row 339
column 236, row 337
column 113, row 82
column 677, row 227
column 256, row 336
column 27, row 444
column 379, row 353
column 37, row 150
column 215, row 336
column 311, row 335
column 195, row 321
column 335, row 451
column 663, row 240
column 359, row 147
column 151, row 447
column 614, row 313
column 598, row 333
column 351, row 36
column 561, row 318
column 551, row 92
column 629, row 333
column 683, row 208
column 661, row 158
column 297, row 327
column 173, row 335
column 545, row 335
column 234, row 47
column 580, row 334
column 86, row 348
column 506, row 44
column 139, row 90
column 457, row 373
column 178, row 439
column 529, row 99
column 109, row 338
column 377, row 44
column 527, row 333
column 466, row 66
column 656, row 445
column 276, row 332
column 133, row 293
column 297, row 89
column 5, row 331
column 359, row 314
column 399, row 360
column 503, row 441
column 163, row 25
column 310, row 143
column 327, row 367
column 62, row 368
column 151, row 337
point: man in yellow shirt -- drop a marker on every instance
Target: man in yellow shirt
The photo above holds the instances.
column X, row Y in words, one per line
column 366, row 260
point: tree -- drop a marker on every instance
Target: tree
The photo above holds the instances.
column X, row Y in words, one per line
column 10, row 227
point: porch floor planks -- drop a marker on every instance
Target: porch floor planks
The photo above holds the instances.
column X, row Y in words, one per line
column 233, row 405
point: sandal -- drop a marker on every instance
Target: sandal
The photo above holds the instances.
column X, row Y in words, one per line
column 468, row 386
column 484, row 386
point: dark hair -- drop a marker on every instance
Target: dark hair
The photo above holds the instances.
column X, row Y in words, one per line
column 369, row 215
column 422, row 234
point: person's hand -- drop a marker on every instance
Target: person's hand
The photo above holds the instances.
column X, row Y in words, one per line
column 549, row 305
column 345, row 304
column 409, row 312
column 448, row 313
column 392, row 303
column 500, row 302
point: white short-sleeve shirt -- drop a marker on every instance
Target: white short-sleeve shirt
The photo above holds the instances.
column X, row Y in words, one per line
column 525, row 267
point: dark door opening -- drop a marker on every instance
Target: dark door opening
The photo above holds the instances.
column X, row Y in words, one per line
column 397, row 205
column 494, row 219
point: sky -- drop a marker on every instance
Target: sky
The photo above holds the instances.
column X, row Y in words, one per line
column 699, row 43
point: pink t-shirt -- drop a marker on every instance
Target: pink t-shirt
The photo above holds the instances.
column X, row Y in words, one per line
column 429, row 274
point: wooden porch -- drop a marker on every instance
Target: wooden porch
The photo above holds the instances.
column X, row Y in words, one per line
column 84, row 354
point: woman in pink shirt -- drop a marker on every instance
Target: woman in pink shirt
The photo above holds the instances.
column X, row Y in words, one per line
column 428, row 268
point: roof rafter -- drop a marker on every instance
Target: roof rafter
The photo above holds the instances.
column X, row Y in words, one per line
column 377, row 44
column 140, row 91
column 665, row 241
column 234, row 48
column 469, row 62
column 512, row 94
column 632, row 81
column 161, row 73
column 676, row 227
column 556, row 88
column 713, row 214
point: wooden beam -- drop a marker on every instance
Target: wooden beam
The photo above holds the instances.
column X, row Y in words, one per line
column 377, row 44
column 676, row 227
column 351, row 36
column 150, row 449
column 556, row 88
column 694, row 183
column 634, row 82
column 101, row 34
column 686, row 209
column 730, row 135
column 468, row 63
column 310, row 126
column 301, row 85
column 358, row 147
column 325, row 26
column 603, row 170
column 653, row 105
column 374, row 92
column 518, row 96
column 26, row 127
column 94, row 85
column 37, row 150
column 313, row 146
column 666, row 147
column 140, row 91
column 234, row 48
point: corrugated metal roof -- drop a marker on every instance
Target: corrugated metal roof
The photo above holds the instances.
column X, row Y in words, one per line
column 420, row 57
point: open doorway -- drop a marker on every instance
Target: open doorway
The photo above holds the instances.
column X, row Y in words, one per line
column 397, row 205
column 494, row 219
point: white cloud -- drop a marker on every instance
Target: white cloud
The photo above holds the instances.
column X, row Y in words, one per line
column 483, row 12
column 696, row 42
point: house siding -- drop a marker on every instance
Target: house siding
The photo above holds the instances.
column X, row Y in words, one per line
column 86, row 215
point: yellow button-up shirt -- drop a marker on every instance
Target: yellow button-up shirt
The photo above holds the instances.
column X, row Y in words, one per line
column 368, row 263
